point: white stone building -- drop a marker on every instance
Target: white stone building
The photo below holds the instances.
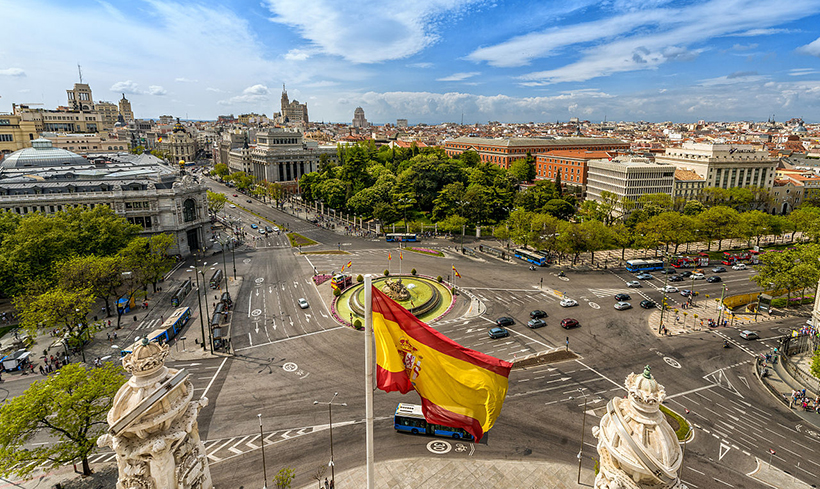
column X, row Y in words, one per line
column 138, row 187
column 284, row 155
column 724, row 165
column 359, row 119
column 629, row 177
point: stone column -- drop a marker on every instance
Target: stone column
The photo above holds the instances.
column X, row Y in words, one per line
column 153, row 426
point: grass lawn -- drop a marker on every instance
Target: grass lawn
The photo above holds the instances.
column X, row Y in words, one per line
column 297, row 239
column 446, row 299
column 678, row 422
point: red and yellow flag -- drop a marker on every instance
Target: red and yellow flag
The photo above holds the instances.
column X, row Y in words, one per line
column 456, row 272
column 401, row 256
column 389, row 256
column 459, row 387
column 349, row 264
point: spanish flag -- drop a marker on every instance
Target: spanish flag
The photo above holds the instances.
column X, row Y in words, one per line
column 459, row 387
column 456, row 272
column 349, row 264
column 389, row 256
column 401, row 256
column 343, row 267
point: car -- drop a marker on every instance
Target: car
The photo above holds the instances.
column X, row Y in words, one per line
column 568, row 323
column 622, row 297
column 235, row 195
column 249, row 201
column 254, row 226
column 232, row 206
column 676, row 278
column 303, row 303
column 498, row 333
column 686, row 293
column 669, row 289
column 714, row 279
column 276, row 228
column 623, row 305
column 718, row 269
column 504, row 321
column 685, row 274
column 537, row 314
column 698, row 276
column 668, row 271
column 749, row 335
column 262, row 231
column 268, row 229
column 643, row 276
column 739, row 266
column 633, row 283
column 536, row 323
column 648, row 304
column 565, row 302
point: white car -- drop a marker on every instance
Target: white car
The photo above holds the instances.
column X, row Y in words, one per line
column 232, row 206
column 739, row 266
column 568, row 302
column 669, row 289
column 633, row 283
column 698, row 276
column 303, row 303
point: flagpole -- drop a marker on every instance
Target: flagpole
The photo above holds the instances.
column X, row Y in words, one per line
column 368, row 375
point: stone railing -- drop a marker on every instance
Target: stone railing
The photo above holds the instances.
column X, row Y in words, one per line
column 802, row 344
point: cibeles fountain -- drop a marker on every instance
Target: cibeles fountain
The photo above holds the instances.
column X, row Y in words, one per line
column 637, row 447
column 153, row 426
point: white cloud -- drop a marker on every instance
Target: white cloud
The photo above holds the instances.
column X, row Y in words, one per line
column 737, row 77
column 255, row 94
column 458, row 76
column 761, row 32
column 812, row 48
column 803, row 71
column 127, row 86
column 366, row 31
column 300, row 54
column 156, row 90
column 12, row 72
column 637, row 40
column 212, row 89
column 185, row 80
column 420, row 65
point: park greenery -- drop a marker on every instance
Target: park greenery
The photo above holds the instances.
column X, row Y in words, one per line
column 56, row 267
column 71, row 407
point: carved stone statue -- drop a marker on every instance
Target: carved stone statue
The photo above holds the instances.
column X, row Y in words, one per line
column 396, row 290
column 153, row 427
column 636, row 445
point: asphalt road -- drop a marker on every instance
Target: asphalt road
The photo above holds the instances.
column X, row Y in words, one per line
column 288, row 357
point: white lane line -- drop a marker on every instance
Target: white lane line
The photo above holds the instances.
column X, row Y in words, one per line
column 695, row 470
column 692, row 391
column 214, row 377
column 290, row 338
column 718, row 480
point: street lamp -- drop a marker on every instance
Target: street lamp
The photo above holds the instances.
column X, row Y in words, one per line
column 330, row 423
column 199, row 300
column 264, row 467
column 663, row 301
column 583, row 429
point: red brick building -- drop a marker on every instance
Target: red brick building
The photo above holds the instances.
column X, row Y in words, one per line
column 571, row 164
column 503, row 152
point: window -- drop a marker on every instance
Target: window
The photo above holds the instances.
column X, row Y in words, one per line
column 6, row 138
column 188, row 210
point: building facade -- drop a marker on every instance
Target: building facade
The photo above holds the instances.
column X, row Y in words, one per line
column 688, row 185
column 125, row 109
column 283, row 155
column 179, row 145
column 138, row 187
column 88, row 143
column 629, row 177
column 570, row 164
column 15, row 133
column 359, row 119
column 80, row 98
column 292, row 111
column 724, row 165
column 109, row 113
column 504, row 151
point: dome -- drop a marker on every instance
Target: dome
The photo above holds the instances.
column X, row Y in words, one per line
column 42, row 154
column 800, row 128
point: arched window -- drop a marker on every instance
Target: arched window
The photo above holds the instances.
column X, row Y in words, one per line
column 189, row 210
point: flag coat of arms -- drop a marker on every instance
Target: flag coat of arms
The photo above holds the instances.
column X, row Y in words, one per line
column 459, row 387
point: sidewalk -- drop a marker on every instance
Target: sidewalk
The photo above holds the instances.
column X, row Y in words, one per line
column 688, row 323
column 779, row 383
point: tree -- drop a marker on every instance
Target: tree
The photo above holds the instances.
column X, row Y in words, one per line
column 693, row 208
column 284, row 478
column 598, row 237
column 102, row 275
column 71, row 407
column 56, row 308
column 718, row 223
column 221, row 170
column 148, row 257
column 386, row 213
column 815, row 364
column 216, row 201
column 536, row 197
column 523, row 169
column 559, row 208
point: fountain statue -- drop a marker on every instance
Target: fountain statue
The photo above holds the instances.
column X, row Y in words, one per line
column 636, row 445
column 153, row 428
column 396, row 290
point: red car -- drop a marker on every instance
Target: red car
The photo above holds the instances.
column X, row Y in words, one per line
column 235, row 195
column 569, row 323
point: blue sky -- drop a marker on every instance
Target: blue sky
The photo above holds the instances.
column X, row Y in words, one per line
column 425, row 60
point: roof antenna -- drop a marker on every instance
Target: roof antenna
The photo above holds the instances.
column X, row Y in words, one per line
column 80, row 69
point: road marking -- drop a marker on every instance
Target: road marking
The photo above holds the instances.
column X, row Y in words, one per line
column 722, row 451
column 214, row 377
column 290, row 338
column 718, row 480
column 695, row 470
column 691, row 391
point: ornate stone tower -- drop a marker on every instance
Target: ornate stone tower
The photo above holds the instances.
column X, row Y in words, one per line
column 636, row 446
column 153, row 427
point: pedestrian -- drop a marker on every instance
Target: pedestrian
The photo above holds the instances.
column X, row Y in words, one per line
column 327, row 486
column 42, row 371
column 109, row 337
column 115, row 335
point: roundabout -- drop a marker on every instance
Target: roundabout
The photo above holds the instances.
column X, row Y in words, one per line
column 424, row 297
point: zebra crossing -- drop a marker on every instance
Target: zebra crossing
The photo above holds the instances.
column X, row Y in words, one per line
column 149, row 325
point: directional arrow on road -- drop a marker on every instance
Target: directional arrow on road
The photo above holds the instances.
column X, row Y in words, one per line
column 257, row 292
column 724, row 449
column 744, row 381
column 307, row 316
column 562, row 379
column 323, row 315
column 295, row 284
column 257, row 328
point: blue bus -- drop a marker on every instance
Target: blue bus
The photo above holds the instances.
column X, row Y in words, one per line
column 172, row 326
column 533, row 257
column 401, row 237
column 410, row 419
column 643, row 265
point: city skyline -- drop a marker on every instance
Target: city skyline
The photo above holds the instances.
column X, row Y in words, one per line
column 511, row 62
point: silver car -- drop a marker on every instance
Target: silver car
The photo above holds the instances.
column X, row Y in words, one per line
column 303, row 303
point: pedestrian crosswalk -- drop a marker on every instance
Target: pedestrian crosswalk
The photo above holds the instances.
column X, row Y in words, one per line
column 605, row 292
column 149, row 324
